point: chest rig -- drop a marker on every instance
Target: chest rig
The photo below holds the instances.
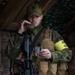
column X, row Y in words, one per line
column 47, row 42
column 46, row 67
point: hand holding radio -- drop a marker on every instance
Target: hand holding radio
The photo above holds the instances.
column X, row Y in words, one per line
column 45, row 53
column 24, row 26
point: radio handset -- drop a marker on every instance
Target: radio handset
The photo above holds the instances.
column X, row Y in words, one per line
column 30, row 27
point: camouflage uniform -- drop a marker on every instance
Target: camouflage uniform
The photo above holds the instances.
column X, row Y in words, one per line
column 59, row 57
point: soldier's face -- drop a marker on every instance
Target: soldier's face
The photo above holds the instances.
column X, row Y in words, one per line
column 35, row 20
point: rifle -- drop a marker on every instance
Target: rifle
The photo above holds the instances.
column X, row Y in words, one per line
column 27, row 66
column 30, row 70
column 27, row 61
column 28, row 48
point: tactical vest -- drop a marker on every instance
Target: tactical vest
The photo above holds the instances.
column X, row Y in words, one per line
column 46, row 67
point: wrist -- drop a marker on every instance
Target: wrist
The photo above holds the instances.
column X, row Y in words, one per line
column 20, row 31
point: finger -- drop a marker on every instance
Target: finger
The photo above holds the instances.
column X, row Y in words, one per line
column 44, row 52
column 27, row 22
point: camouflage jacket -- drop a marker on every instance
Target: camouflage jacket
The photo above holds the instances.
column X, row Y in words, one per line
column 16, row 40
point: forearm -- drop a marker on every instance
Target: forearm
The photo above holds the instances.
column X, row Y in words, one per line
column 16, row 40
column 13, row 46
column 61, row 56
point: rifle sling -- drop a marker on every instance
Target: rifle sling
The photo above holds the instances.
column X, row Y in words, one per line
column 35, row 40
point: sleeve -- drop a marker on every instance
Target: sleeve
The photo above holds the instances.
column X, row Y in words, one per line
column 62, row 52
column 13, row 46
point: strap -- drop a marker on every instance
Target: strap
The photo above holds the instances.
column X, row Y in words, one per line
column 51, row 35
column 35, row 40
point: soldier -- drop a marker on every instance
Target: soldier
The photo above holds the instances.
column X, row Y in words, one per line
column 57, row 53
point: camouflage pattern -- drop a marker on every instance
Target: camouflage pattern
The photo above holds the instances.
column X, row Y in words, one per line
column 60, row 56
column 34, row 9
column 57, row 56
column 13, row 47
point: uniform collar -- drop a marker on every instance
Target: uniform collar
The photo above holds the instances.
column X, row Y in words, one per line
column 37, row 29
